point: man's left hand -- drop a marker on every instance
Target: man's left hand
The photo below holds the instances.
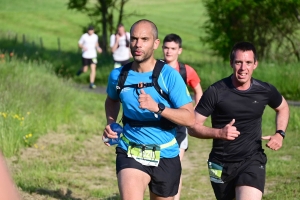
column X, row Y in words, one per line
column 275, row 141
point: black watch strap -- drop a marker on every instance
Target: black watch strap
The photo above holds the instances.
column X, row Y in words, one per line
column 161, row 107
column 281, row 132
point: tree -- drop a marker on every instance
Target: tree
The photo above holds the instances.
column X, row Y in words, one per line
column 272, row 25
column 101, row 14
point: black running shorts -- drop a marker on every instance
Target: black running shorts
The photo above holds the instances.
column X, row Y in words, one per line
column 87, row 61
column 164, row 178
column 250, row 172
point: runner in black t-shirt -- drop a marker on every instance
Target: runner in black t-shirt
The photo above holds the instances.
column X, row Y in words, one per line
column 236, row 105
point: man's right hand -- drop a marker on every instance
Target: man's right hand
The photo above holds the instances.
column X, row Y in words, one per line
column 229, row 132
column 108, row 133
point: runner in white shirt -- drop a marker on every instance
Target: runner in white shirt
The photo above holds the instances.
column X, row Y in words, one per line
column 119, row 44
column 88, row 42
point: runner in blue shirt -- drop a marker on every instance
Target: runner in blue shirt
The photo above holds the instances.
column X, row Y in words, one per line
column 147, row 154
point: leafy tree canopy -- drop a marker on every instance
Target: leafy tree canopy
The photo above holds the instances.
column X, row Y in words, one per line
column 273, row 26
column 101, row 14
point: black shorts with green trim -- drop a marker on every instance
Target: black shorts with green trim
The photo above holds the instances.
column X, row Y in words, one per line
column 250, row 172
column 164, row 178
column 87, row 61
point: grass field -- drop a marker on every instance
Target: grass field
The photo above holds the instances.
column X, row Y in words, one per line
column 51, row 132
column 50, row 20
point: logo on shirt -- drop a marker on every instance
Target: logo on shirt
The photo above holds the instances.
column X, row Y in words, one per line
column 125, row 90
column 255, row 101
column 261, row 167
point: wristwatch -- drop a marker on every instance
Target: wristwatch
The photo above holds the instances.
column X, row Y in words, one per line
column 281, row 132
column 161, row 108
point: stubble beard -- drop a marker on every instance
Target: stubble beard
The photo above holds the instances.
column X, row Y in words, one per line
column 142, row 58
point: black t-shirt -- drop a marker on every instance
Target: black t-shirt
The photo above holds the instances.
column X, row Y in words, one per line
column 224, row 103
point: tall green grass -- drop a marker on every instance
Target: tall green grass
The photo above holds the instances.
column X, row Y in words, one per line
column 33, row 102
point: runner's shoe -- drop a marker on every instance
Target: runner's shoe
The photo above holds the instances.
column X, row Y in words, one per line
column 93, row 86
column 79, row 72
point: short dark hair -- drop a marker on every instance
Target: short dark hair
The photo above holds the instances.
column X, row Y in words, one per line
column 154, row 28
column 243, row 46
column 90, row 27
column 173, row 38
column 120, row 25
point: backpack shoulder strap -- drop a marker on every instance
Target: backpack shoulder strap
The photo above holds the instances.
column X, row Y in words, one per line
column 127, row 39
column 122, row 77
column 155, row 74
column 182, row 71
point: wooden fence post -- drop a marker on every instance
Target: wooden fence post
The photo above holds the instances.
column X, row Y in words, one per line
column 58, row 43
column 24, row 39
column 16, row 38
column 41, row 42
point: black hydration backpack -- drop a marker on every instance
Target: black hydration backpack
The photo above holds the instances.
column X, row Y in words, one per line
column 156, row 71
column 163, row 123
column 182, row 71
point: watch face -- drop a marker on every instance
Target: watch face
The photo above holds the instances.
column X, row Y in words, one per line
column 161, row 106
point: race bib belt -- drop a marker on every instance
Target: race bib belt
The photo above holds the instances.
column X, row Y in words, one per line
column 215, row 172
column 146, row 154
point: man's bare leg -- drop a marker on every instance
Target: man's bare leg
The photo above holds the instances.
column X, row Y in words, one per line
column 155, row 197
column 132, row 183
column 177, row 196
column 247, row 193
column 93, row 73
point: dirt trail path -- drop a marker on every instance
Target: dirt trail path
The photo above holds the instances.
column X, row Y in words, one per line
column 84, row 166
column 87, row 168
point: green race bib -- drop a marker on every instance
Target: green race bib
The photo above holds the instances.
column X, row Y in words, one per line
column 94, row 60
column 148, row 155
column 215, row 172
column 117, row 65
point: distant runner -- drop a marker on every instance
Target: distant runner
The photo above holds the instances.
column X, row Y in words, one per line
column 88, row 42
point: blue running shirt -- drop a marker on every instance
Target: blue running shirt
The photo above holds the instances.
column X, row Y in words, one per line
column 170, row 82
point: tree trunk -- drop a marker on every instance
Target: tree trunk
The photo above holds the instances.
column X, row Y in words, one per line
column 103, row 11
column 121, row 11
